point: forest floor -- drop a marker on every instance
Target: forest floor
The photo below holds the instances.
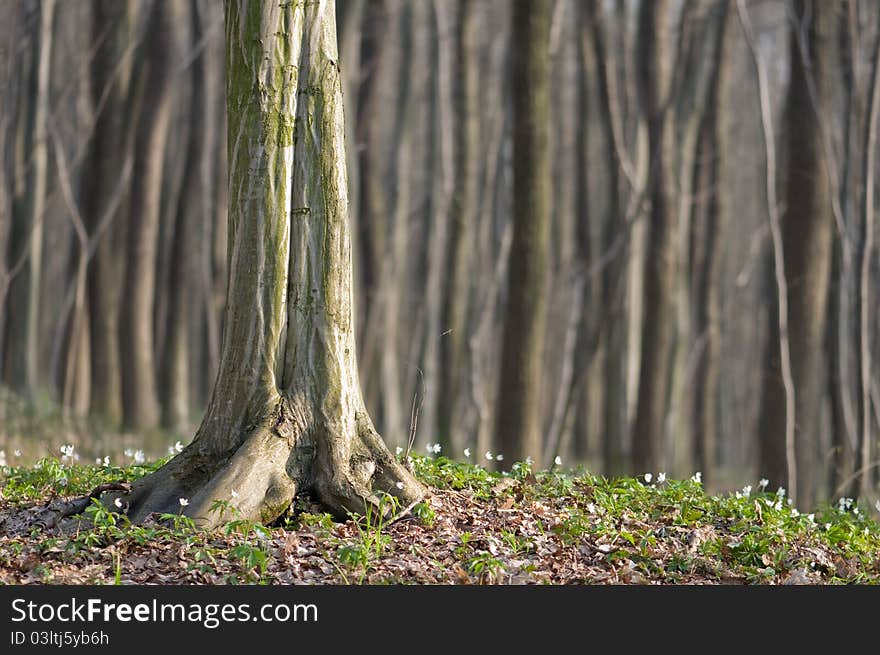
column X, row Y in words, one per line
column 475, row 527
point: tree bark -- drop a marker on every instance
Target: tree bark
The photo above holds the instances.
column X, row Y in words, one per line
column 462, row 212
column 807, row 230
column 109, row 78
column 518, row 414
column 710, row 192
column 22, row 351
column 140, row 402
column 654, row 75
column 176, row 397
column 864, row 463
column 287, row 413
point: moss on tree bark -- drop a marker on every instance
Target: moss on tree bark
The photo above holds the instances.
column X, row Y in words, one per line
column 286, row 415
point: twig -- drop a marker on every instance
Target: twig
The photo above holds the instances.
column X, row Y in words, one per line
column 414, row 419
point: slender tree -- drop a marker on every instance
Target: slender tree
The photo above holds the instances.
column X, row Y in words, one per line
column 518, row 414
column 109, row 79
column 709, row 189
column 658, row 325
column 462, row 211
column 807, row 228
column 140, row 401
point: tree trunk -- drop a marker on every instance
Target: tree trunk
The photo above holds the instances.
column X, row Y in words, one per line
column 109, row 80
column 518, row 415
column 613, row 343
column 462, row 212
column 176, row 398
column 22, row 352
column 708, row 274
column 864, row 463
column 658, row 334
column 287, row 413
column 139, row 395
column 807, row 230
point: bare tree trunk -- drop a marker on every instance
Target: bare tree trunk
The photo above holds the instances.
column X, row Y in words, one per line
column 777, row 455
column 373, row 118
column 807, row 241
column 11, row 69
column 109, row 77
column 841, row 293
column 518, row 413
column 287, row 413
column 712, row 198
column 441, row 180
column 22, row 366
column 462, row 212
column 613, row 344
column 183, row 272
column 659, row 318
column 139, row 395
column 864, row 463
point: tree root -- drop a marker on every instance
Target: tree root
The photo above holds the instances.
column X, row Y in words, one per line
column 58, row 509
column 259, row 480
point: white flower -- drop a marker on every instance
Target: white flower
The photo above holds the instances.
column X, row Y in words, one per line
column 499, row 457
column 399, row 485
column 778, row 506
column 183, row 502
column 98, row 461
column 139, row 457
column 780, row 492
column 16, row 452
column 591, row 508
column 118, row 502
column 811, row 518
column 697, row 477
column 557, row 460
column 234, row 493
column 178, row 446
column 856, row 511
column 747, row 490
column 649, row 477
column 398, row 451
column 467, row 452
column 2, row 458
column 63, row 481
column 489, row 455
column 763, row 483
column 794, row 512
column 436, row 448
column 661, row 478
column 128, row 452
column 106, row 460
column 877, row 505
column 827, row 526
column 530, row 461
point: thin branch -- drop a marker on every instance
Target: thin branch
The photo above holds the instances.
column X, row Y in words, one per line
column 776, row 234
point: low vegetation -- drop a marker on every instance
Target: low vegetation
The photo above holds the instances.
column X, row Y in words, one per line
column 476, row 527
